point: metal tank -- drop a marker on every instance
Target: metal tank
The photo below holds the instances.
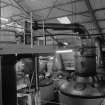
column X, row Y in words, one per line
column 45, row 82
column 46, row 91
column 84, row 87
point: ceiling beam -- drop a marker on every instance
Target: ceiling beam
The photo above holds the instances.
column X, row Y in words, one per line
column 10, row 4
column 22, row 8
column 81, row 22
column 6, row 5
column 27, row 12
column 69, row 14
column 99, row 9
column 79, row 13
column 57, row 5
column 87, row 2
column 90, row 21
column 87, row 15
column 51, row 9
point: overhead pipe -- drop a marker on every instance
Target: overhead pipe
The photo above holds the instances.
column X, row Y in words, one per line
column 75, row 27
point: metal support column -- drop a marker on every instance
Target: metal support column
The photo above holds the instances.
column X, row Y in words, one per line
column 31, row 18
column 0, row 84
column 0, row 14
column 0, row 65
column 37, row 91
column 87, row 2
column 44, row 36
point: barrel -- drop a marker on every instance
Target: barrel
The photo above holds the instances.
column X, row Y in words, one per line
column 46, row 91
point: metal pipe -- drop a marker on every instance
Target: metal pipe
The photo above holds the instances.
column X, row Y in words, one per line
column 75, row 27
column 37, row 91
column 24, row 34
column 67, row 34
column 31, row 30
column 44, row 36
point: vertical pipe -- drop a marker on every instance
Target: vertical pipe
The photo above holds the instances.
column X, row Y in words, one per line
column 37, row 92
column 0, row 83
column 36, row 72
column 0, row 14
column 44, row 36
column 24, row 34
column 45, row 40
column 31, row 30
column 0, row 65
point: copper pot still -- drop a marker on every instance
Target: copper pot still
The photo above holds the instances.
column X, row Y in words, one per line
column 84, row 87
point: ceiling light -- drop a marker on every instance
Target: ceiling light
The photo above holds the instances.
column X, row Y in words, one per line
column 4, row 19
column 51, row 58
column 2, row 26
column 9, row 24
column 65, row 43
column 64, row 20
column 64, row 51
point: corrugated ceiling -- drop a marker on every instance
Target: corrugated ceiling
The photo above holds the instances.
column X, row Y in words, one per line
column 90, row 13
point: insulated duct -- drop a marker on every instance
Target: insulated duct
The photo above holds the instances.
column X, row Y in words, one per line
column 75, row 27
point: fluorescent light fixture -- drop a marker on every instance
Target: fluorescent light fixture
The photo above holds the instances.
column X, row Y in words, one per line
column 51, row 58
column 3, row 26
column 65, row 43
column 64, row 20
column 64, row 51
column 4, row 19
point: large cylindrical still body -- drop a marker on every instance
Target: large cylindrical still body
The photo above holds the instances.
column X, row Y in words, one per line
column 84, row 88
column 69, row 100
column 46, row 91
